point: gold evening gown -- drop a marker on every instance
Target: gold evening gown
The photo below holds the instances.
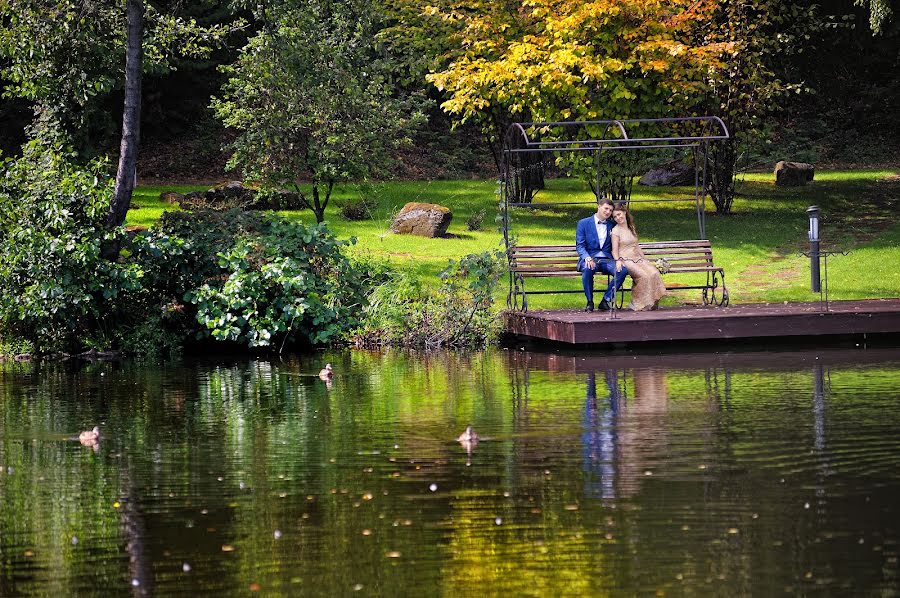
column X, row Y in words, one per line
column 648, row 287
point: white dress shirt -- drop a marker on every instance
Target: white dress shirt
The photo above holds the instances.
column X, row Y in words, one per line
column 602, row 231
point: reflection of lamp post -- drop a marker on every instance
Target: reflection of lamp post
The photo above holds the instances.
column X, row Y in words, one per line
column 813, row 213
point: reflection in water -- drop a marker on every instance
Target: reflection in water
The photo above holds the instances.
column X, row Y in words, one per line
column 592, row 475
column 623, row 434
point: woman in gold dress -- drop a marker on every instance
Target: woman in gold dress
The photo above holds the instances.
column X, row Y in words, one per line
column 648, row 287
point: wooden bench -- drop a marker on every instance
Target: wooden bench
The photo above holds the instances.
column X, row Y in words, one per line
column 560, row 261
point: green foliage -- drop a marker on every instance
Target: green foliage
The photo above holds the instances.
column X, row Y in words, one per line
column 753, row 82
column 55, row 289
column 286, row 281
column 475, row 220
column 460, row 313
column 66, row 56
column 12, row 346
column 310, row 96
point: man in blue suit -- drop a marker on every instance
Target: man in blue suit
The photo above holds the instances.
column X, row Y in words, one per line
column 593, row 240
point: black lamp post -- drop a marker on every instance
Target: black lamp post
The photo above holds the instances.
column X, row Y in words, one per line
column 813, row 213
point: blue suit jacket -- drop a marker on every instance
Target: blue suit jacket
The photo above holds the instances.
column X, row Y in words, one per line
column 587, row 243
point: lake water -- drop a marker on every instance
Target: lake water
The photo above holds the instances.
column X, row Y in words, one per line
column 697, row 474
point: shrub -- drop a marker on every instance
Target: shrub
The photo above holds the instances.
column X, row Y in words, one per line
column 283, row 282
column 459, row 313
column 55, row 288
column 475, row 220
column 363, row 207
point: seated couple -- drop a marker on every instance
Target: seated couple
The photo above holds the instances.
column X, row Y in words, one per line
column 607, row 242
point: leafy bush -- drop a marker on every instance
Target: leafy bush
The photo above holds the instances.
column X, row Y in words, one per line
column 475, row 220
column 363, row 207
column 55, row 288
column 292, row 280
column 459, row 313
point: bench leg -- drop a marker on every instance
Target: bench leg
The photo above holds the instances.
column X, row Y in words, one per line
column 711, row 295
column 517, row 290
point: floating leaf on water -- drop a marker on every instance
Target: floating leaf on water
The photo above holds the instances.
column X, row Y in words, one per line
column 732, row 530
column 571, row 507
column 310, row 497
column 367, row 532
column 393, row 554
column 367, row 496
column 357, row 587
column 255, row 587
column 227, row 548
column 29, row 553
column 116, row 505
column 648, row 472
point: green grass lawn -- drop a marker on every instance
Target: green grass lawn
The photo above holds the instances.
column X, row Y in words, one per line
column 759, row 244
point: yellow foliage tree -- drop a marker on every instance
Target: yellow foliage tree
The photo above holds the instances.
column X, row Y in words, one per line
column 548, row 60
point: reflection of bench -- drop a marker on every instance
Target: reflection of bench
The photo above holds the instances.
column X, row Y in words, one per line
column 560, row 261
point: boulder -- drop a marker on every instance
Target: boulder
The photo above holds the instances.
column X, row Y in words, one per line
column 793, row 174
column 231, row 194
column 673, row 173
column 423, row 219
column 171, row 197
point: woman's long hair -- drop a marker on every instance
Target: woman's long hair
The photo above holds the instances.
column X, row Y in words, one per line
column 628, row 219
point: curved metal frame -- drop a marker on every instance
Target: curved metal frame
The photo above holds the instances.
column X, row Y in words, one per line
column 516, row 142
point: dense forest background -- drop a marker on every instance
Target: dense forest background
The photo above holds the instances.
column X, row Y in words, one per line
column 843, row 112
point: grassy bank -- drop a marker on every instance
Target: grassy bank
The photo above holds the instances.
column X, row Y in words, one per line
column 759, row 244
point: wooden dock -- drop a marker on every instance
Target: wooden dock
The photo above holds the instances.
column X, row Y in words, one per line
column 698, row 323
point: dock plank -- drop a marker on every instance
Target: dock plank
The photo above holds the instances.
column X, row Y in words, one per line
column 874, row 316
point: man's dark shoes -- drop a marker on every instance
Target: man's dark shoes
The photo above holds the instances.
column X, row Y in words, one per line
column 589, row 306
column 605, row 306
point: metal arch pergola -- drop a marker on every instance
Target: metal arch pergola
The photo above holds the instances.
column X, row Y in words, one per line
column 522, row 154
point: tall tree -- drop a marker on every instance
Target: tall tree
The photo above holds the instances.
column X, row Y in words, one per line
column 310, row 97
column 66, row 55
column 131, row 117
column 763, row 36
column 568, row 60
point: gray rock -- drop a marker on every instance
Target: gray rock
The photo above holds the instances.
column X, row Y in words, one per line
column 670, row 174
column 793, row 174
column 423, row 219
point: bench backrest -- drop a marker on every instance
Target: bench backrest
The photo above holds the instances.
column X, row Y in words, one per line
column 561, row 260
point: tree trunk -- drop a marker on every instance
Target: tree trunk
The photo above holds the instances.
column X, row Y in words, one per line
column 131, row 120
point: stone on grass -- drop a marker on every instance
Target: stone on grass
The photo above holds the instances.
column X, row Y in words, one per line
column 423, row 219
column 670, row 174
column 793, row 174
